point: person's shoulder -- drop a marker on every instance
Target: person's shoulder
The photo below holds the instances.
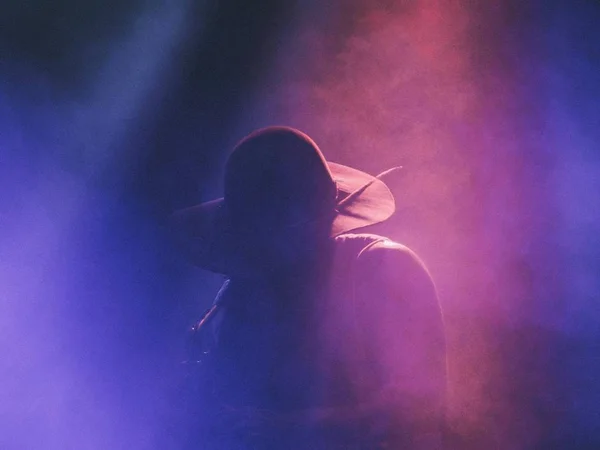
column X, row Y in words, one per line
column 380, row 258
column 384, row 252
column 394, row 267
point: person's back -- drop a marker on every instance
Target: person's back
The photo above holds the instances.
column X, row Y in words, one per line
column 339, row 359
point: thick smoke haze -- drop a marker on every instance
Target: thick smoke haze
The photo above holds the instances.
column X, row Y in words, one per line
column 112, row 117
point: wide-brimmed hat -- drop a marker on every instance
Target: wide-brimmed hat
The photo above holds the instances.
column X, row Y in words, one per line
column 277, row 177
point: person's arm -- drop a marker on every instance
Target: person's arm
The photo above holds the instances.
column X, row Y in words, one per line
column 400, row 320
column 404, row 333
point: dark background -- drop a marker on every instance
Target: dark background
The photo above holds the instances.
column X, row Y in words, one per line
column 114, row 114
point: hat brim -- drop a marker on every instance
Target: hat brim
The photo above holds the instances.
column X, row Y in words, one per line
column 374, row 205
column 207, row 234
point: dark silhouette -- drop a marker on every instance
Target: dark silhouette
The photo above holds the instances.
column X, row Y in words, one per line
column 320, row 338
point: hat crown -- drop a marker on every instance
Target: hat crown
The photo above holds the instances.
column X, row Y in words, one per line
column 278, row 175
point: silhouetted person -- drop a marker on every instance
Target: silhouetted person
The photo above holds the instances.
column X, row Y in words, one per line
column 319, row 339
